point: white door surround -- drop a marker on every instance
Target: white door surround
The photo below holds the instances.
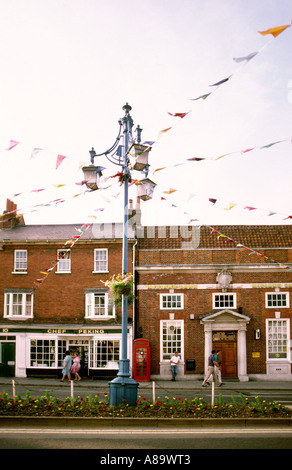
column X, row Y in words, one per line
column 227, row 320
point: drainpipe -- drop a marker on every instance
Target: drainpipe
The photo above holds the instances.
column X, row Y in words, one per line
column 134, row 287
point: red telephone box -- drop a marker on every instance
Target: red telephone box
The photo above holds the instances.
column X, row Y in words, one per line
column 142, row 360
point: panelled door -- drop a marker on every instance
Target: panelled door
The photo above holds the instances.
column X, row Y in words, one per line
column 7, row 359
column 228, row 350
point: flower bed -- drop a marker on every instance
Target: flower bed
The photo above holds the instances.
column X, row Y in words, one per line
column 175, row 407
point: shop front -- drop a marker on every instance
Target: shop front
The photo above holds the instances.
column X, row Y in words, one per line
column 39, row 352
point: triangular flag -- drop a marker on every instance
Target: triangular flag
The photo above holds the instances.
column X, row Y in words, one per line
column 221, row 81
column 12, row 144
column 275, row 31
column 230, row 207
column 202, row 97
column 195, row 159
column 181, row 115
column 221, row 156
column 247, row 58
column 247, row 150
column 159, row 169
column 163, row 131
column 270, row 145
column 35, row 151
column 212, row 200
column 169, row 191
column 250, row 208
column 193, row 220
column 60, row 158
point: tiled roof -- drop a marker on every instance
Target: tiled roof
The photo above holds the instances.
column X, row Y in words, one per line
column 62, row 232
column 252, row 236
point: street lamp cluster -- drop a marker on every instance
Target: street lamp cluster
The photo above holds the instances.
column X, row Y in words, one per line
column 130, row 155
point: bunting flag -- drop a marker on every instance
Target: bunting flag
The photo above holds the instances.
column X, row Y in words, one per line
column 221, row 81
column 181, row 115
column 213, row 201
column 12, row 144
column 231, row 205
column 275, row 31
column 60, row 158
column 246, row 58
column 202, row 97
column 35, row 152
column 164, row 131
column 247, row 150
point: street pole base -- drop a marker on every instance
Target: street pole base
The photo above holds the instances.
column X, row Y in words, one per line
column 123, row 391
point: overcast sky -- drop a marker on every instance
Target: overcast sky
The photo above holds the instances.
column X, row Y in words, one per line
column 69, row 66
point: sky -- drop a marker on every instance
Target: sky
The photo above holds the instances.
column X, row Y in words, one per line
column 69, row 66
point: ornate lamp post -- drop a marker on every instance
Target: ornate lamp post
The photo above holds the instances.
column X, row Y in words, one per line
column 123, row 387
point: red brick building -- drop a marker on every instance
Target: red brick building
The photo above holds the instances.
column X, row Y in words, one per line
column 227, row 288
column 197, row 288
column 54, row 297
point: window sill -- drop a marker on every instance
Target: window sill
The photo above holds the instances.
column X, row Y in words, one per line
column 19, row 272
column 63, row 272
column 100, row 272
column 100, row 318
column 19, row 317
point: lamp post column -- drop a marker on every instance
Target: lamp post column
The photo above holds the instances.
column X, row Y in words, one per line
column 123, row 387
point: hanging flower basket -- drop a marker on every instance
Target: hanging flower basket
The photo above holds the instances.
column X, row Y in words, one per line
column 120, row 285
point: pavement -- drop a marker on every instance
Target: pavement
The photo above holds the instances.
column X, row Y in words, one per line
column 179, row 384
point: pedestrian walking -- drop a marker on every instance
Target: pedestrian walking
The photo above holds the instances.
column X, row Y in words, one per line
column 174, row 361
column 76, row 366
column 67, row 363
column 211, row 370
column 218, row 368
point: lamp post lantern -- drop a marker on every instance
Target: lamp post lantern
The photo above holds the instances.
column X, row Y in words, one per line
column 123, row 388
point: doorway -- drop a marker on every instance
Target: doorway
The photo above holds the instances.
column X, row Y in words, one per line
column 226, row 343
column 7, row 359
column 83, row 354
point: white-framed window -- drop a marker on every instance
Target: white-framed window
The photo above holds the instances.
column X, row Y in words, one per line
column 171, row 301
column 42, row 353
column 100, row 260
column 277, row 299
column 224, row 300
column 64, row 261
column 18, row 305
column 20, row 261
column 99, row 305
column 104, row 353
column 278, row 338
column 171, row 338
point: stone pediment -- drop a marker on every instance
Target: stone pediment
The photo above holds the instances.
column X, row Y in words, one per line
column 224, row 316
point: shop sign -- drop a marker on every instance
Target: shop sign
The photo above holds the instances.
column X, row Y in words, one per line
column 60, row 331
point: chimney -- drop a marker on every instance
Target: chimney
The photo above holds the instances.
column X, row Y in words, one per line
column 9, row 218
column 134, row 214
